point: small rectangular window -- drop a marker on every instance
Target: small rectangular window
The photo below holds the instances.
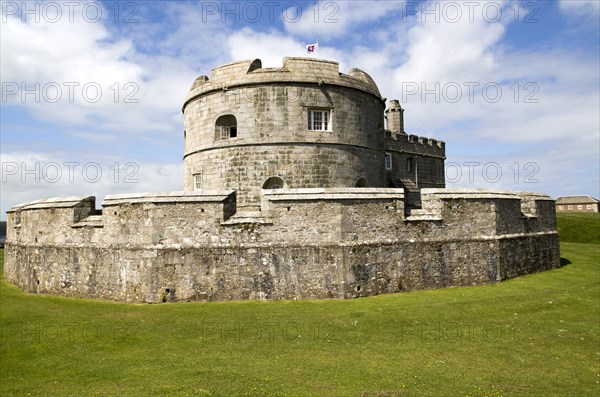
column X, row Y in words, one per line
column 388, row 161
column 588, row 207
column 197, row 181
column 570, row 208
column 560, row 207
column 580, row 207
column 319, row 120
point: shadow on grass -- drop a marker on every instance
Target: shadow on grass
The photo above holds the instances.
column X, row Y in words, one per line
column 564, row 262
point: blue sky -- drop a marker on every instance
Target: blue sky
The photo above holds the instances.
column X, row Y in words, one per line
column 92, row 91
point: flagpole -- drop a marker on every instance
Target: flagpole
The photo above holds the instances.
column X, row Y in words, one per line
column 317, row 54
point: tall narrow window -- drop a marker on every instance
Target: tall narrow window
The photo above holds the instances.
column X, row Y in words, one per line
column 197, row 181
column 388, row 161
column 410, row 166
column 226, row 127
column 319, row 120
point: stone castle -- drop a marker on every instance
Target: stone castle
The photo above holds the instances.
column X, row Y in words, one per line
column 294, row 189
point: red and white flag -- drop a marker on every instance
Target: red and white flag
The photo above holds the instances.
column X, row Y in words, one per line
column 312, row 48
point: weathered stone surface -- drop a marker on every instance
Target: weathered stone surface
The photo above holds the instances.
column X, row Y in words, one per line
column 303, row 244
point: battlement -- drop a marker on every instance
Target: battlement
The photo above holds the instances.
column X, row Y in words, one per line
column 415, row 144
column 294, row 70
column 198, row 217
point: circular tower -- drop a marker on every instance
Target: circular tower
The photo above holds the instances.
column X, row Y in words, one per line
column 303, row 125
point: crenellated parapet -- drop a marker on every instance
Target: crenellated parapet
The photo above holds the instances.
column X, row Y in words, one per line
column 415, row 144
column 295, row 70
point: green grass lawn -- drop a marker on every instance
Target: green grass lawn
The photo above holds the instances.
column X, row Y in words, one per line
column 579, row 227
column 537, row 335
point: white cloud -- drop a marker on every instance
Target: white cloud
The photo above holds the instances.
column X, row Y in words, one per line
column 558, row 168
column 580, row 6
column 84, row 74
column 270, row 47
column 328, row 19
column 28, row 176
column 449, row 49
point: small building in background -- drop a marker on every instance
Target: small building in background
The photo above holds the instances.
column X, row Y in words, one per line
column 576, row 204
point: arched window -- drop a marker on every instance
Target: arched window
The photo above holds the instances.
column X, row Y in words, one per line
column 226, row 127
column 274, row 182
column 361, row 182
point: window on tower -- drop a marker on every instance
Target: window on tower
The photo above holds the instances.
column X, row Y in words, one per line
column 197, row 182
column 226, row 127
column 319, row 120
column 388, row 161
column 410, row 164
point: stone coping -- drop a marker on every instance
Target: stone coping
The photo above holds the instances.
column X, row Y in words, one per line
column 54, row 202
column 280, row 195
column 482, row 193
column 204, row 196
column 333, row 194
column 535, row 196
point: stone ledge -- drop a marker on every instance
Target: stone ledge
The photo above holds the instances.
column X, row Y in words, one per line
column 333, row 194
column 248, row 217
column 168, row 197
column 418, row 215
column 469, row 194
column 535, row 196
column 251, row 245
column 90, row 221
column 54, row 202
column 483, row 193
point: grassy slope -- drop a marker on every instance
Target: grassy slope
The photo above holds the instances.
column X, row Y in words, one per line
column 533, row 336
column 579, row 227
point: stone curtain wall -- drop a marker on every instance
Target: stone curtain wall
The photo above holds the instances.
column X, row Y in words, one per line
column 306, row 244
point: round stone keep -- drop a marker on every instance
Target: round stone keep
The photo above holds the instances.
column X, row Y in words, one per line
column 303, row 125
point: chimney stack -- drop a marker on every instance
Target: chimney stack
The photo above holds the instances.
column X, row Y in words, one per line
column 395, row 118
